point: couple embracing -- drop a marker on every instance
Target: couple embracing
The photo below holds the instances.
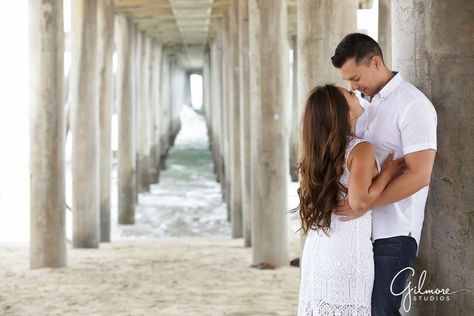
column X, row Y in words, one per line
column 365, row 166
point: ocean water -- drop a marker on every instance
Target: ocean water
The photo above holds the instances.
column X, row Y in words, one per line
column 187, row 201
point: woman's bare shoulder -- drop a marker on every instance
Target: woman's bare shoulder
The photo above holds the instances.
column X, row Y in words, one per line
column 364, row 147
column 363, row 151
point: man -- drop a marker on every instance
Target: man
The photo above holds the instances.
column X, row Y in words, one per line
column 397, row 117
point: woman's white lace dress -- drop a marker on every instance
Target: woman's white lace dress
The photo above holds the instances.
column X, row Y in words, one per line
column 337, row 271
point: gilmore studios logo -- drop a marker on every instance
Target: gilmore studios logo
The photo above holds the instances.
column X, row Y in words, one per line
column 417, row 293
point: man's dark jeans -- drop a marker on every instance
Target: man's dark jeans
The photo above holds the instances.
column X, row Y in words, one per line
column 391, row 255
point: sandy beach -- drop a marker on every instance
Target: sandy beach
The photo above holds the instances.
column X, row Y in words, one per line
column 176, row 260
column 166, row 276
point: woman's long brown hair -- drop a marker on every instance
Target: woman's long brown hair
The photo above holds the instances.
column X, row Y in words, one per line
column 325, row 128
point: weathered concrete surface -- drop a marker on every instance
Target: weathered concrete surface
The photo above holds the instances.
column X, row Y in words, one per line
column 244, row 86
column 234, row 122
column 126, row 126
column 226, row 77
column 216, row 107
column 206, row 92
column 212, row 106
column 136, row 80
column 187, row 84
column 47, row 135
column 365, row 4
column 218, row 82
column 151, row 109
column 318, row 32
column 269, row 134
column 105, row 47
column 85, row 126
column 433, row 49
column 219, row 96
column 178, row 78
column 155, row 108
column 385, row 30
column 143, row 116
column 294, row 113
column 165, row 108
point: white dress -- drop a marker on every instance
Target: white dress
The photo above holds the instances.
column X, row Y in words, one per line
column 337, row 271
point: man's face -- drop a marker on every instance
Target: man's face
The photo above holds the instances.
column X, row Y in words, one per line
column 362, row 76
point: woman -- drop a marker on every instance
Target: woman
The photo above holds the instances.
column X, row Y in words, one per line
column 337, row 267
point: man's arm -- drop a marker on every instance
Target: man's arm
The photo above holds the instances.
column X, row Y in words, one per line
column 417, row 176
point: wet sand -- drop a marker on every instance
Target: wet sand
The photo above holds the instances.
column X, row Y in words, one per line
column 166, row 276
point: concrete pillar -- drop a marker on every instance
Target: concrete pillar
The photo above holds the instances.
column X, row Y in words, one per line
column 269, row 134
column 173, row 97
column 245, row 120
column 212, row 110
column 126, row 122
column 216, row 107
column 365, row 4
column 433, row 49
column 385, row 30
column 206, row 102
column 294, row 113
column 187, row 90
column 212, row 107
column 156, row 108
column 149, row 81
column 85, row 126
column 206, row 96
column 135, row 43
column 319, row 30
column 226, row 99
column 234, row 121
column 178, row 76
column 137, row 97
column 165, row 108
column 150, row 109
column 105, row 47
column 47, row 135
column 143, row 116
column 221, row 99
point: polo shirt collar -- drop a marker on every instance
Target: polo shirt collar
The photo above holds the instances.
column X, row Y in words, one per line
column 388, row 88
column 391, row 85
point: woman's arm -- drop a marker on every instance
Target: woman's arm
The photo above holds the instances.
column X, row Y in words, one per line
column 364, row 188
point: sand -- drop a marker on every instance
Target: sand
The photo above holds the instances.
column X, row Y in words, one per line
column 165, row 276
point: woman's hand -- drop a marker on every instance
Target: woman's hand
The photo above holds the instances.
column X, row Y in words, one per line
column 345, row 213
column 393, row 168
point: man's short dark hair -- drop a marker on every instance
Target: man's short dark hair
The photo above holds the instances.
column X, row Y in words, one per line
column 358, row 46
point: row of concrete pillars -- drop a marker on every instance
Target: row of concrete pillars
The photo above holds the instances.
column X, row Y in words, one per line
column 146, row 93
column 254, row 132
column 246, row 81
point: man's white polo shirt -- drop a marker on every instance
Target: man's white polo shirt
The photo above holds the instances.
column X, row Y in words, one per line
column 399, row 117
